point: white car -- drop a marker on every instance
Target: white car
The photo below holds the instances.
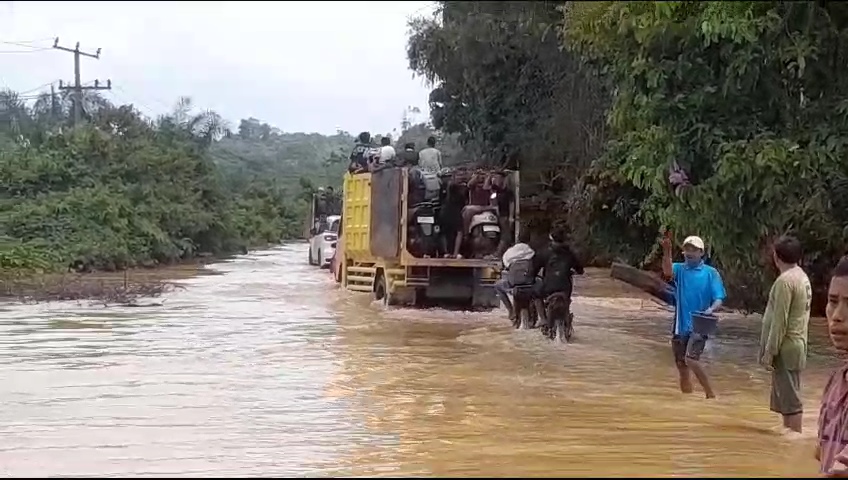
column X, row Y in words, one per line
column 322, row 245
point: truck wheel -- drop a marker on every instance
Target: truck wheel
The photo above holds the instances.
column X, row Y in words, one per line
column 380, row 292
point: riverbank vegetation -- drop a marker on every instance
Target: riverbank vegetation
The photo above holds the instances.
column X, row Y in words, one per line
column 121, row 190
column 725, row 119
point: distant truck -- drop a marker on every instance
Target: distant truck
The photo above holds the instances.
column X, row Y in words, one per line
column 380, row 223
column 323, row 228
column 322, row 245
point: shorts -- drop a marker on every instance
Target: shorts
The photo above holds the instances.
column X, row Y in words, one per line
column 688, row 346
column 785, row 391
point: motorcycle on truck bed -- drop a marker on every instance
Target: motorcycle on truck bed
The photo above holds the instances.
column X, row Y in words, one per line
column 374, row 255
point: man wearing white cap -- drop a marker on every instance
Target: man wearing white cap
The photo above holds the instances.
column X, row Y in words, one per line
column 698, row 289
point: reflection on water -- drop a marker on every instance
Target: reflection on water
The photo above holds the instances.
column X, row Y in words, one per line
column 269, row 369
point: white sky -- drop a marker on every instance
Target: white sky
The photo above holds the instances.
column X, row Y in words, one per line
column 300, row 66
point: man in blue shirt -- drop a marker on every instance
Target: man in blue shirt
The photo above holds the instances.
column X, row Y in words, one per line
column 698, row 288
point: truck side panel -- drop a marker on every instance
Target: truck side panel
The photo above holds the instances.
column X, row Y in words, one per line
column 386, row 216
column 357, row 216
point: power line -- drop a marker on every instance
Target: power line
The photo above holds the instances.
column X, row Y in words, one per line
column 77, row 87
column 38, row 87
column 23, row 43
column 25, row 51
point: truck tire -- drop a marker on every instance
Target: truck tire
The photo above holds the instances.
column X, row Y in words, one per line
column 382, row 293
column 380, row 290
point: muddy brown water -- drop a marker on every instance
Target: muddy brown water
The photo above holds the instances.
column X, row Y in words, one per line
column 269, row 369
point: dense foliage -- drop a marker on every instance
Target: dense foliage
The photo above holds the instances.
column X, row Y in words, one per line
column 746, row 97
column 503, row 83
column 121, row 190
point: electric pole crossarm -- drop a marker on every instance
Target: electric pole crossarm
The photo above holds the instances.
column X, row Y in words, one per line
column 75, row 50
column 96, row 86
column 77, row 87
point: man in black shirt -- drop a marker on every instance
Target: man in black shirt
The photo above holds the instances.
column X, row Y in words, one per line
column 408, row 157
column 358, row 157
column 334, row 204
column 560, row 264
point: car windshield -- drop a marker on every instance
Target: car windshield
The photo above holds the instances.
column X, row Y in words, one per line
column 334, row 227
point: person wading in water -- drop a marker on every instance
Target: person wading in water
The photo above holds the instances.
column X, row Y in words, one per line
column 698, row 288
column 783, row 341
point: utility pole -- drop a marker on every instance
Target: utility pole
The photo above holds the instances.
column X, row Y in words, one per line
column 77, row 87
column 52, row 103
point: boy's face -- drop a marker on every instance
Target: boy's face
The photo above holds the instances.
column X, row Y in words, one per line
column 692, row 254
column 837, row 312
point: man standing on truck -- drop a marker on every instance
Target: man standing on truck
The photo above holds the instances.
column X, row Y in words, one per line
column 387, row 151
column 698, row 289
column 358, row 157
column 505, row 201
column 560, row 264
column 408, row 157
column 333, row 202
column 430, row 159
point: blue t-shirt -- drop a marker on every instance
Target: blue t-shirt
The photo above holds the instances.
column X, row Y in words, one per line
column 696, row 290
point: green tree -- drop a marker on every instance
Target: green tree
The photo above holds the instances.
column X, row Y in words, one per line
column 503, row 84
column 121, row 190
column 749, row 98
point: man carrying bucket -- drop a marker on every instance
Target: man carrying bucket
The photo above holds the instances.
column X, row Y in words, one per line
column 699, row 291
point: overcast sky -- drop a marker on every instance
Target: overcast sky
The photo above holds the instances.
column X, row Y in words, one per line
column 301, row 66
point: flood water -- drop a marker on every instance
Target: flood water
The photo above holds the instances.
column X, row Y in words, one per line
column 269, row 369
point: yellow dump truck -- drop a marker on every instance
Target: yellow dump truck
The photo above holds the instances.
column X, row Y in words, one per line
column 373, row 257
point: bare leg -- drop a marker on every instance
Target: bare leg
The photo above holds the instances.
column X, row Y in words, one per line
column 457, row 244
column 701, row 375
column 794, row 422
column 678, row 348
column 506, row 237
column 685, row 379
column 540, row 311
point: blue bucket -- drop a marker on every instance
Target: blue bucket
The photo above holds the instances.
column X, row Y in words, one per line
column 704, row 324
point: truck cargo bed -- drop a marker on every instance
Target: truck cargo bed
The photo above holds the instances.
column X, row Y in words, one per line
column 411, row 261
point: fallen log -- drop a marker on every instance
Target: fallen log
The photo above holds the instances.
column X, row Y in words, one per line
column 648, row 282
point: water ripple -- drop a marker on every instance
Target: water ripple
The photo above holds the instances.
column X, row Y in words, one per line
column 267, row 369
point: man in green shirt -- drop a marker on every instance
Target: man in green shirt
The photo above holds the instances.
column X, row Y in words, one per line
column 783, row 342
